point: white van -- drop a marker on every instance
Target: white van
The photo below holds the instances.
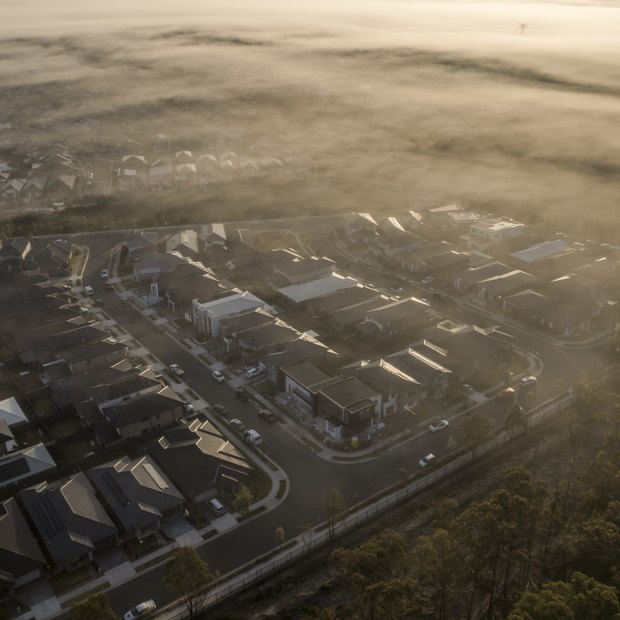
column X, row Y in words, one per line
column 251, row 436
column 216, row 506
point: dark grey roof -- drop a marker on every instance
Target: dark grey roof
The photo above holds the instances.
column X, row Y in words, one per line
column 397, row 310
column 196, row 455
column 341, row 299
column 20, row 553
column 137, row 492
column 86, row 334
column 348, row 392
column 143, row 407
column 69, row 518
column 91, row 351
column 125, row 386
column 306, row 374
column 25, row 462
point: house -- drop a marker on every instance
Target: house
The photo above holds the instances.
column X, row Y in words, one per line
column 412, row 221
column 305, row 348
column 24, row 463
column 21, row 558
column 415, row 261
column 394, row 319
column 350, row 316
column 15, row 249
column 7, row 439
column 138, row 415
column 241, row 241
column 185, row 242
column 11, row 412
column 439, row 215
column 465, row 280
column 70, row 520
column 399, row 391
column 130, row 179
column 299, row 293
column 541, row 251
column 347, row 408
column 186, row 175
column 302, row 381
column 234, row 327
column 359, row 228
column 150, row 265
column 493, row 288
column 322, row 306
column 141, row 240
column 490, row 232
column 200, row 461
column 471, row 349
column 430, row 375
column 263, row 337
column 161, row 174
column 301, row 270
column 393, row 239
column 213, row 235
column 138, row 494
column 51, row 258
column 94, row 355
column 208, row 316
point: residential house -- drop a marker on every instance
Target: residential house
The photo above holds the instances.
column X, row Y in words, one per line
column 393, row 239
column 186, row 175
column 394, row 319
column 21, row 464
column 416, row 261
column 412, row 221
column 138, row 415
column 213, row 235
column 131, row 179
column 400, row 392
column 185, row 242
column 51, row 258
column 208, row 316
column 322, row 306
column 432, row 376
column 461, row 220
column 490, row 232
column 7, row 439
column 138, row 494
column 11, row 412
column 297, row 271
column 359, row 228
column 150, row 265
column 70, row 520
column 302, row 381
column 200, row 461
column 21, row 558
column 263, row 337
column 493, row 289
column 161, row 174
column 300, row 293
column 541, row 251
column 351, row 316
column 347, row 408
column 13, row 253
column 465, row 280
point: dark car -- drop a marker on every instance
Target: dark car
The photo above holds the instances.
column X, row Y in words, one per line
column 268, row 416
column 220, row 409
column 241, row 394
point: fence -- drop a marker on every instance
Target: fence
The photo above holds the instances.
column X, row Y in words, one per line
column 312, row 539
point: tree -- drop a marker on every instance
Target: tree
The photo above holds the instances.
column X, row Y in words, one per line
column 243, row 501
column 189, row 578
column 95, row 606
column 335, row 506
column 515, row 420
column 280, row 535
column 391, row 600
column 477, row 429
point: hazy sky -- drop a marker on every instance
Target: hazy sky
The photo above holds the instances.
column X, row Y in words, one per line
column 422, row 99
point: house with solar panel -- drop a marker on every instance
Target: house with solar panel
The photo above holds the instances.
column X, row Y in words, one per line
column 70, row 520
column 24, row 463
column 138, row 494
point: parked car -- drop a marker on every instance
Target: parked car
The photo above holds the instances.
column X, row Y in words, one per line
column 88, row 289
column 438, row 425
column 216, row 506
column 467, row 388
column 109, row 286
column 98, row 302
column 218, row 376
column 423, row 462
column 141, row 610
column 176, row 369
column 506, row 392
column 238, row 425
column 252, row 437
column 427, row 280
column 527, row 381
column 241, row 394
column 220, row 409
column 267, row 415
column 105, row 274
column 250, row 373
column 188, row 407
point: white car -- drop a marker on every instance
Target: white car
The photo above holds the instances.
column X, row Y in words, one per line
column 218, row 376
column 238, row 425
column 188, row 407
column 141, row 610
column 427, row 280
column 423, row 462
column 104, row 274
column 438, row 425
column 176, row 369
column 88, row 289
column 250, row 373
column 527, row 381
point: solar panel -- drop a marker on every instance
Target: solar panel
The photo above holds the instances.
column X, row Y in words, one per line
column 46, row 516
column 114, row 488
column 153, row 473
column 18, row 467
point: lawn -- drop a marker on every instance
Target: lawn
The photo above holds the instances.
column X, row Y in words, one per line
column 63, row 582
column 76, row 450
column 43, row 404
column 64, row 427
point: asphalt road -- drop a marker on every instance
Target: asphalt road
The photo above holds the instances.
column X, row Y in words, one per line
column 310, row 477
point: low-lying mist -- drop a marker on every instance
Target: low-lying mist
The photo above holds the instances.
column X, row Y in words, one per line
column 396, row 103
